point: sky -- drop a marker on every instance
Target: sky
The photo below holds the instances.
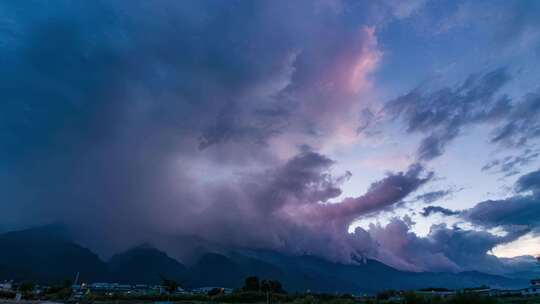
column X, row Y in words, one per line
column 404, row 131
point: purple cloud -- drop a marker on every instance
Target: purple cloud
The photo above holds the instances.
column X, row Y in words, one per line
column 443, row 249
column 133, row 120
column 429, row 210
column 442, row 113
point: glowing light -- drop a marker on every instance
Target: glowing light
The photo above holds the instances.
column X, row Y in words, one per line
column 526, row 245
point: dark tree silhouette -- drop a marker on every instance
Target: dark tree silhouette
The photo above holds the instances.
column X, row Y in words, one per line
column 26, row 287
column 170, row 285
column 272, row 286
column 215, row 291
column 251, row 284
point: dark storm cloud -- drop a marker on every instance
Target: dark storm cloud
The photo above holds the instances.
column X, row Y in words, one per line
column 283, row 208
column 131, row 119
column 203, row 70
column 306, row 176
column 99, row 106
column 443, row 249
column 529, row 182
column 517, row 210
column 97, row 72
column 429, row 210
column 522, row 210
column 455, row 249
column 442, row 114
column 470, row 249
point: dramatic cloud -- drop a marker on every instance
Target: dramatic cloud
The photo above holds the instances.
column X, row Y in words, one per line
column 443, row 113
column 515, row 211
column 148, row 62
column 443, row 249
column 284, row 209
column 429, row 210
column 132, row 118
column 529, row 182
column 138, row 127
column 381, row 194
column 228, row 121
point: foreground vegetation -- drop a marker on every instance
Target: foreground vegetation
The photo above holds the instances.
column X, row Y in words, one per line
column 261, row 297
column 255, row 291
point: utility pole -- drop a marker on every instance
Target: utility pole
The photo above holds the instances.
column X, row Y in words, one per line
column 538, row 260
column 76, row 279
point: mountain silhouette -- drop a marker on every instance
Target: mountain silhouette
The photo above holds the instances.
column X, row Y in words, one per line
column 47, row 254
column 145, row 264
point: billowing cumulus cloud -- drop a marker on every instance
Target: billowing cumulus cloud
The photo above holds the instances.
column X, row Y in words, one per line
column 443, row 249
column 291, row 200
column 138, row 119
column 382, row 194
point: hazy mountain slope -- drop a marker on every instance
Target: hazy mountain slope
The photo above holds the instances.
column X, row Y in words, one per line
column 47, row 254
column 144, row 264
column 215, row 270
column 369, row 276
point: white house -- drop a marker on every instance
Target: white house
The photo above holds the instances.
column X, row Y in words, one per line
column 533, row 290
column 205, row 290
column 6, row 286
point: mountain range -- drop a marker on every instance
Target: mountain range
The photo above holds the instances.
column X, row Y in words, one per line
column 48, row 255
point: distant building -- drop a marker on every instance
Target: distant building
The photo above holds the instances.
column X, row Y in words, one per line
column 395, row 299
column 109, row 287
column 118, row 288
column 181, row 290
column 206, row 290
column 438, row 293
column 504, row 292
column 533, row 289
column 6, row 286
